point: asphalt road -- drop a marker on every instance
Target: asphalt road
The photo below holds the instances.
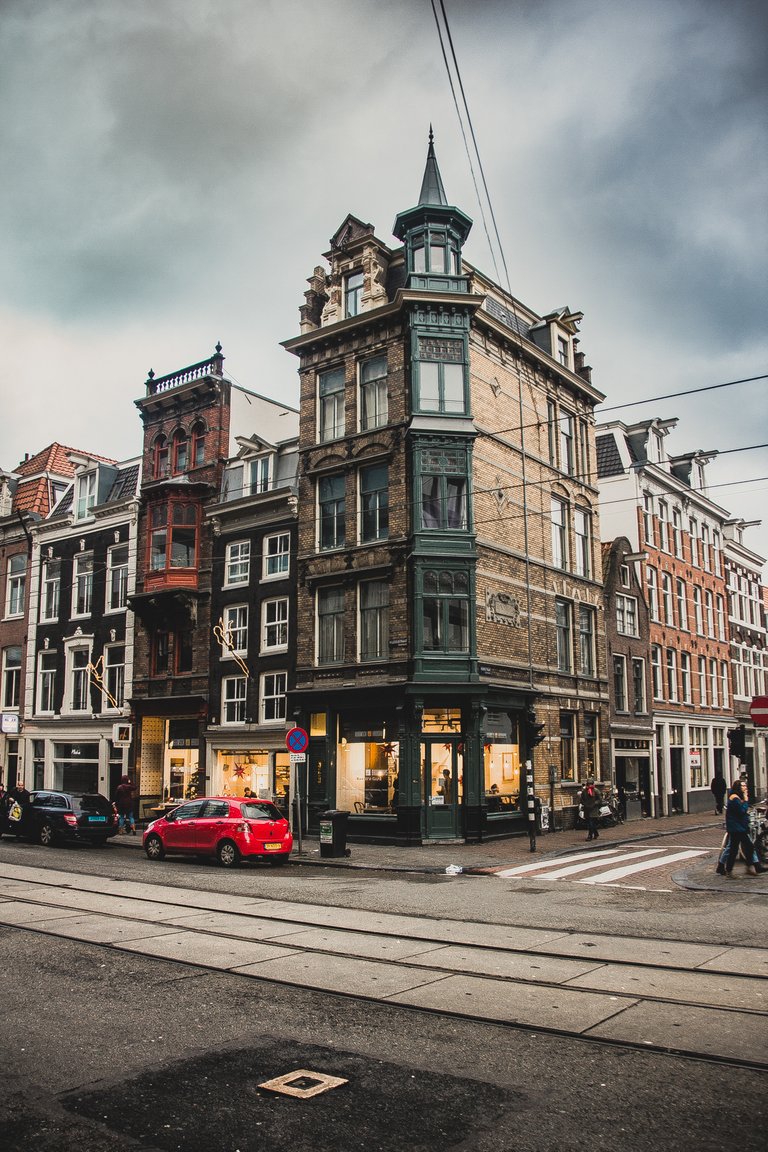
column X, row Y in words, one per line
column 103, row 1048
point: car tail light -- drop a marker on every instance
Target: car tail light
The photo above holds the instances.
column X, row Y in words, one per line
column 71, row 819
column 242, row 826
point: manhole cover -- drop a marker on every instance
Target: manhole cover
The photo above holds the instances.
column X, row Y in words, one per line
column 303, row 1083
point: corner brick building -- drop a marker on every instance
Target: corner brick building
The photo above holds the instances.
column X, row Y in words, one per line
column 449, row 611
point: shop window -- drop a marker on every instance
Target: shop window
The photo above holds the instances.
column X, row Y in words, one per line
column 567, row 746
column 501, row 765
column 368, row 776
column 591, row 764
column 15, row 585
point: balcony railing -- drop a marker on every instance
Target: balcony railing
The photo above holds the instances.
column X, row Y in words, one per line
column 212, row 367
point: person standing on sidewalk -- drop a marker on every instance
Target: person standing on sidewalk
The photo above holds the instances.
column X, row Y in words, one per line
column 124, row 802
column 718, row 788
column 737, row 827
column 590, row 800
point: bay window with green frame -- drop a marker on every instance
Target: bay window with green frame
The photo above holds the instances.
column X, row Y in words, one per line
column 440, row 375
column 443, row 488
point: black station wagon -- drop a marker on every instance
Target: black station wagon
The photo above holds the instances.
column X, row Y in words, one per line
column 57, row 817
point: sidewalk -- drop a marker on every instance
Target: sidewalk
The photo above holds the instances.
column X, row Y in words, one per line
column 479, row 859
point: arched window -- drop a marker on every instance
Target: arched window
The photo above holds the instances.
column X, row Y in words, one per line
column 160, row 461
column 197, row 458
column 180, row 451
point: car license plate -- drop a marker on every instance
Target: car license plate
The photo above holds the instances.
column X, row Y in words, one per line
column 272, row 847
column 97, row 819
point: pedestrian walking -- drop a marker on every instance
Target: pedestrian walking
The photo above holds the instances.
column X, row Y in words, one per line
column 124, row 801
column 737, row 827
column 718, row 788
column 590, row 801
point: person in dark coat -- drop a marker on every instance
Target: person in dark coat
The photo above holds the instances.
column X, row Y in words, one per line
column 590, row 800
column 21, row 796
column 718, row 788
column 124, row 802
column 737, row 827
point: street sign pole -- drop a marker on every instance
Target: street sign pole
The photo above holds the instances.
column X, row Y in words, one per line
column 297, row 742
column 531, row 804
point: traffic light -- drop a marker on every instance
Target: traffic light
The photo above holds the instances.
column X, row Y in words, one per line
column 737, row 743
column 534, row 733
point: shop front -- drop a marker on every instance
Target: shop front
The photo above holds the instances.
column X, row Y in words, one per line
column 250, row 766
column 418, row 772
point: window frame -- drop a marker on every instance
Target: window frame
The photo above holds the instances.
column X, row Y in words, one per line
column 586, row 640
column 330, row 625
column 559, row 542
column 85, row 495
column 235, row 621
column 373, row 393
column 620, row 696
column 114, row 677
column 564, row 635
column 11, row 677
column 582, row 518
column 331, row 404
column 237, row 565
column 122, row 571
column 16, row 586
column 373, row 620
column 279, row 625
column 445, row 612
column 82, row 584
column 273, row 688
column 281, row 557
column 234, row 696
column 331, row 512
column 354, row 283
column 46, row 682
column 373, row 504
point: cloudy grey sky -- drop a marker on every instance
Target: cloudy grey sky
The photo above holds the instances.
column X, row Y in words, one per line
column 173, row 170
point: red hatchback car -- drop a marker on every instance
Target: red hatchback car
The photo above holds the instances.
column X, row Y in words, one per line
column 231, row 829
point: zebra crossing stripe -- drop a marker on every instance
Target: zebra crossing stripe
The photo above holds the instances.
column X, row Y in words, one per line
column 619, row 873
column 597, row 856
column 572, row 869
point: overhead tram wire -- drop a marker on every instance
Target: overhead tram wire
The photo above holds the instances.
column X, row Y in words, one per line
column 687, row 392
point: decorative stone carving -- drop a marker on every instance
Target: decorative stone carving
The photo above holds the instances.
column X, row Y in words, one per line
column 502, row 608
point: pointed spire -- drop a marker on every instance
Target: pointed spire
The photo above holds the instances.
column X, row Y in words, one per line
column 432, row 191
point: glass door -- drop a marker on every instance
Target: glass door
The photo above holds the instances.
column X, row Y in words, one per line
column 443, row 775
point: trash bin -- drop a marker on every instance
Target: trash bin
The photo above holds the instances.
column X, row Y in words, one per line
column 333, row 833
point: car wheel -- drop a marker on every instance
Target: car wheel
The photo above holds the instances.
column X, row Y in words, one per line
column 227, row 854
column 46, row 835
column 153, row 846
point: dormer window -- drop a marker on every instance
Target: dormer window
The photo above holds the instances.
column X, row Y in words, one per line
column 353, row 294
column 180, row 452
column 86, row 495
column 260, row 474
column 562, row 350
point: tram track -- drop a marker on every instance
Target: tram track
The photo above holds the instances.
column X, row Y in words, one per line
column 670, row 996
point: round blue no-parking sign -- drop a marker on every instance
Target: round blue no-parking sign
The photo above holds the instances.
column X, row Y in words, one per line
column 297, row 740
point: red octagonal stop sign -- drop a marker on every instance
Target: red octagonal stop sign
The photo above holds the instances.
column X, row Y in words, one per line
column 758, row 710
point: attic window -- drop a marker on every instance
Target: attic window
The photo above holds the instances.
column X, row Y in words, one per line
column 562, row 350
column 86, row 495
column 353, row 294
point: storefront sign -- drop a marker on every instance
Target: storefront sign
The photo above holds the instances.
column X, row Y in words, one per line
column 9, row 723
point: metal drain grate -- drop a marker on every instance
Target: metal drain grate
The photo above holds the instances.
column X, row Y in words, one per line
column 303, row 1083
